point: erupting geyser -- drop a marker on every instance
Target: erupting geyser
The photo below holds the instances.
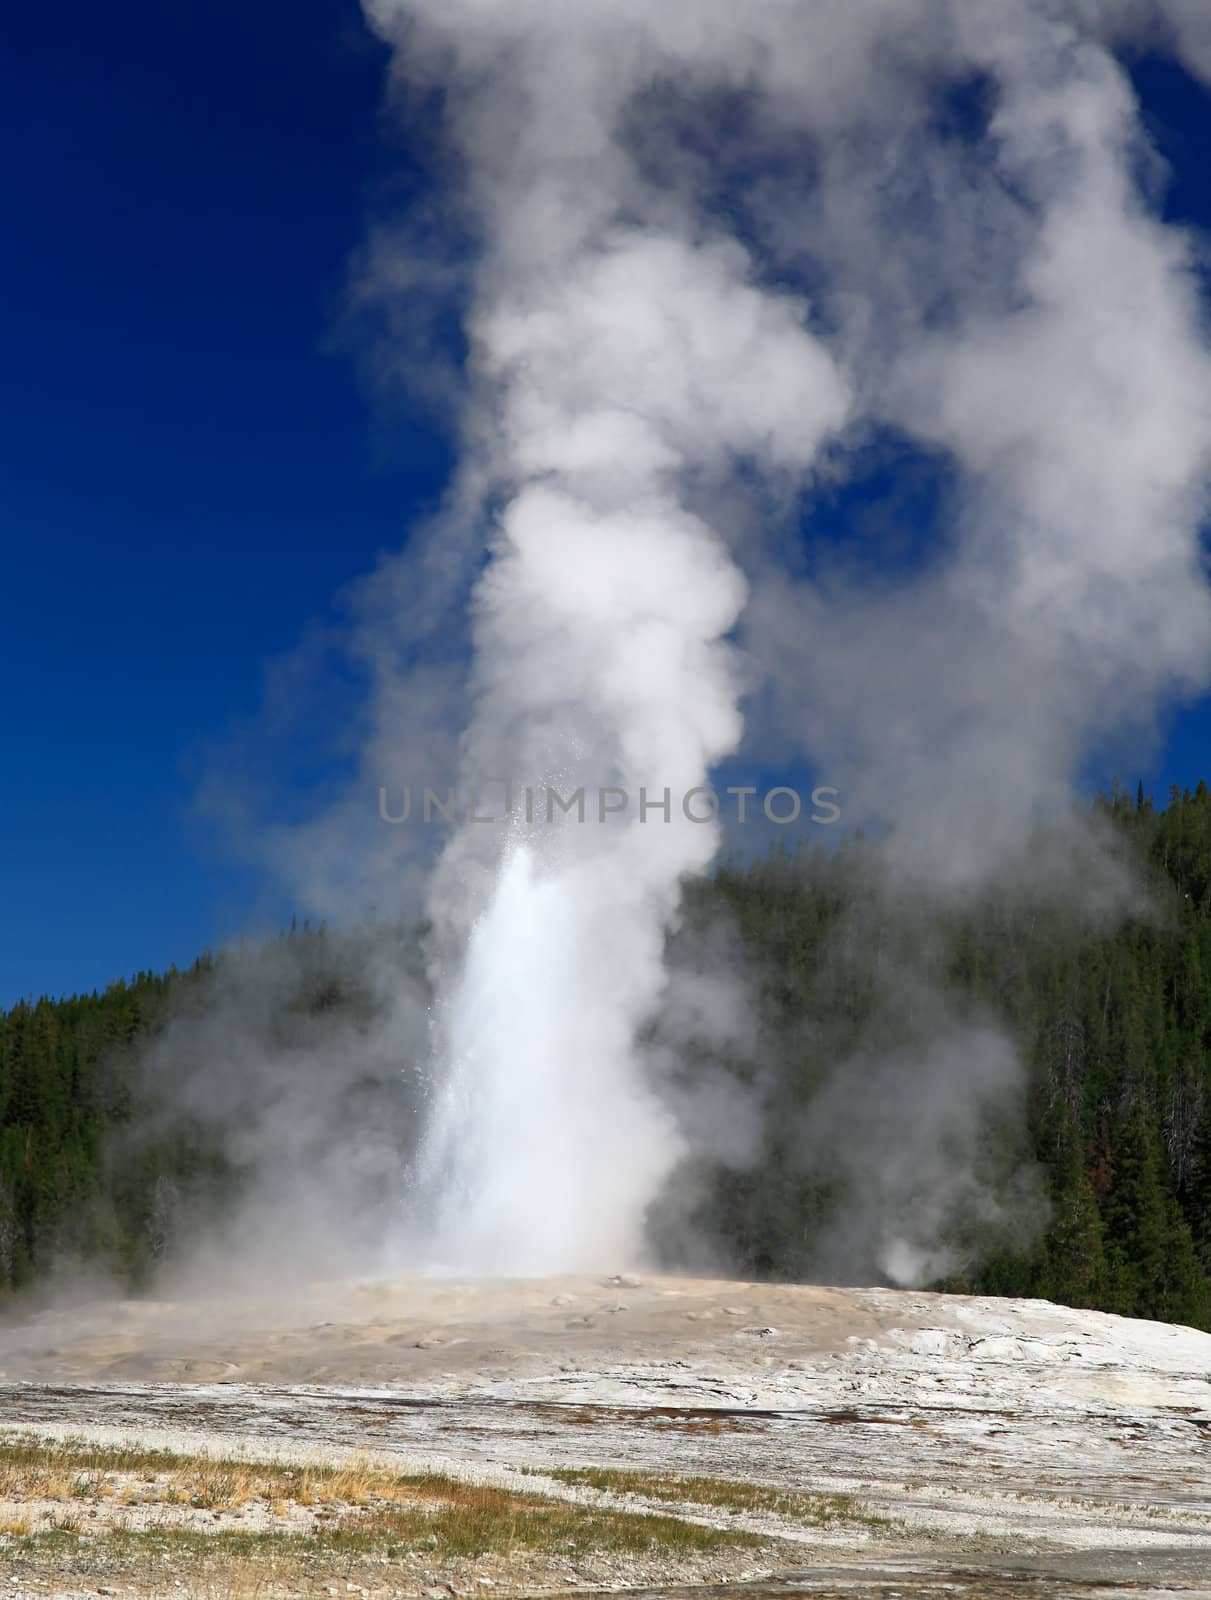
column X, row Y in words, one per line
column 616, row 364
column 719, row 246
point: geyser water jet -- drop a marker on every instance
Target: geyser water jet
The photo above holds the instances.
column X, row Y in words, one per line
column 543, row 1095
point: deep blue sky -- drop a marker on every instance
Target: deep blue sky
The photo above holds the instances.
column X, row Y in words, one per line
column 189, row 470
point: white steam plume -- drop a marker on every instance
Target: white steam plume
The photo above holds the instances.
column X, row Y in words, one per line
column 721, row 243
column 1051, row 345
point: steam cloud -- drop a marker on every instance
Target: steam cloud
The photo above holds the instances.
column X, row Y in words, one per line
column 714, row 255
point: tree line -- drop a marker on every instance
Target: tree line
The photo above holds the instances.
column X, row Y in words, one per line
column 1111, row 1016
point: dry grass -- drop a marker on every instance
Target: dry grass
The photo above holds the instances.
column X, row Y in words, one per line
column 356, row 1508
column 83, row 1472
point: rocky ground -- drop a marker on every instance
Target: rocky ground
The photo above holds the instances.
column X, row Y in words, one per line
column 973, row 1445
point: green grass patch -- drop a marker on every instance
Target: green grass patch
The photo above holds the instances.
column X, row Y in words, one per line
column 815, row 1510
column 494, row 1524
